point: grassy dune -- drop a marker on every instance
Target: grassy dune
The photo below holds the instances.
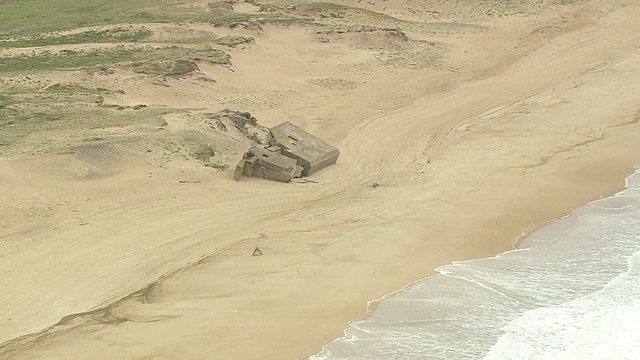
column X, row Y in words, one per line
column 39, row 38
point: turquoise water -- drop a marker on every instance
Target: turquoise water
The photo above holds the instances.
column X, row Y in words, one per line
column 571, row 291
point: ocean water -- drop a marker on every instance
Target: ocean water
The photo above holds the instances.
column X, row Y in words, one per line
column 571, row 291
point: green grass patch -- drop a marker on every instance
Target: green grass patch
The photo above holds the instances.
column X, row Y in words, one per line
column 32, row 18
column 177, row 61
column 203, row 152
column 26, row 23
column 36, row 121
column 162, row 61
column 332, row 83
column 325, row 13
column 165, row 67
column 75, row 89
column 233, row 40
column 4, row 101
column 346, row 18
column 91, row 36
column 323, row 9
column 220, row 166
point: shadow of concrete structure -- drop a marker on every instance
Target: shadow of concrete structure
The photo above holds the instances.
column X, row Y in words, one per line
column 289, row 152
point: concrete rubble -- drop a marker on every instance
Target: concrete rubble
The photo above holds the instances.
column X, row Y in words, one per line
column 289, row 152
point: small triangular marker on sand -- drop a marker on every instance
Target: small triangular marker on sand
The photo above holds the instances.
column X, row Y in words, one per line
column 256, row 252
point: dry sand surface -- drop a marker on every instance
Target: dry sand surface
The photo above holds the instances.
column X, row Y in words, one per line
column 104, row 254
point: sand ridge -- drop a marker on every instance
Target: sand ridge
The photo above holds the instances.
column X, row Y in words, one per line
column 144, row 261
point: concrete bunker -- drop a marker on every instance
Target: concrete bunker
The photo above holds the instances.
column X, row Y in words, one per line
column 289, row 152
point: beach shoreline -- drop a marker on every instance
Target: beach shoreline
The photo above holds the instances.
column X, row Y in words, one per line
column 164, row 266
column 412, row 321
column 615, row 185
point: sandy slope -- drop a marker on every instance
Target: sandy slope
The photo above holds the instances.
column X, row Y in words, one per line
column 467, row 161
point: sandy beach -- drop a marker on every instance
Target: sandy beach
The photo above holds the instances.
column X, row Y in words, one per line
column 115, row 252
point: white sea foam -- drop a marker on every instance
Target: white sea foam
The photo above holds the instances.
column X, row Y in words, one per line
column 602, row 325
column 572, row 291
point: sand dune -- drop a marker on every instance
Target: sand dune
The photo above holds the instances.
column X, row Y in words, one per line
column 123, row 260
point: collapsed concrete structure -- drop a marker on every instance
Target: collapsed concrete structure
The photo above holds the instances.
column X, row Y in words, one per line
column 268, row 164
column 289, row 152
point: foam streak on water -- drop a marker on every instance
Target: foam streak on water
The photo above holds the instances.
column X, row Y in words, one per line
column 572, row 291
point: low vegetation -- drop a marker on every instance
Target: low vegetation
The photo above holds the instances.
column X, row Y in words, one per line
column 90, row 36
column 147, row 59
column 95, row 37
column 56, row 118
column 206, row 154
column 423, row 56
